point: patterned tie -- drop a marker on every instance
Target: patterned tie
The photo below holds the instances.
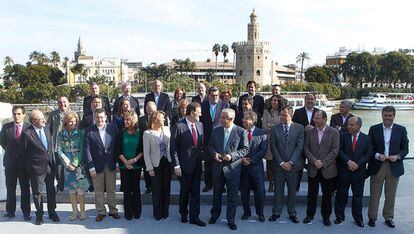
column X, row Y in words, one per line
column 286, row 133
column 18, row 132
column 249, row 135
column 194, row 133
column 354, row 143
column 43, row 138
column 226, row 138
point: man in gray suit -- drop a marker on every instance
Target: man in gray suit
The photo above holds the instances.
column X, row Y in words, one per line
column 227, row 146
column 321, row 149
column 286, row 141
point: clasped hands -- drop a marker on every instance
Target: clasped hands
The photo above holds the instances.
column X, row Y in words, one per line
column 220, row 158
column 384, row 157
column 352, row 166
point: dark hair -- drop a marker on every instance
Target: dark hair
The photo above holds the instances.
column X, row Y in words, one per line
column 192, row 107
column 99, row 111
column 222, row 94
column 251, row 82
column 19, row 107
column 213, row 89
column 276, row 85
column 121, row 103
column 324, row 115
column 249, row 99
column 96, row 96
column 178, row 90
column 388, row 109
column 288, row 108
column 279, row 103
column 314, row 97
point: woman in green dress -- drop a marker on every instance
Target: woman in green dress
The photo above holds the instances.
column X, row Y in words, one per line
column 70, row 149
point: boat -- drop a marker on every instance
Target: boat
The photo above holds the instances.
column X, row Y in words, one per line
column 297, row 100
column 376, row 101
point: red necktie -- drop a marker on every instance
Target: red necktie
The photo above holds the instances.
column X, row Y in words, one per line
column 18, row 132
column 354, row 143
column 249, row 135
column 194, row 133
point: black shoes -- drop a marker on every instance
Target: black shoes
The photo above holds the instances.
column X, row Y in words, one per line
column 307, row 220
column 390, row 223
column 245, row 217
column 148, row 191
column 327, row 222
column 10, row 216
column 232, row 226
column 206, row 189
column 54, row 217
column 212, row 220
column 371, row 222
column 39, row 220
column 273, row 218
column 271, row 187
column 359, row 223
column 338, row 221
column 27, row 217
column 184, row 219
column 198, row 223
column 294, row 219
column 262, row 218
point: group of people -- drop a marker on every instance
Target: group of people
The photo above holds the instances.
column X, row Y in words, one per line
column 210, row 137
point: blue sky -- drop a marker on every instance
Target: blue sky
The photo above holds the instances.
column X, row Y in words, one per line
column 158, row 31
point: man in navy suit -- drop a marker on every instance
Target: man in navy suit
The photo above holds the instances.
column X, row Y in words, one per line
column 14, row 165
column 389, row 148
column 101, row 160
column 227, row 146
column 35, row 147
column 186, row 142
column 258, row 101
column 87, row 101
column 126, row 94
column 161, row 99
column 252, row 173
column 354, row 152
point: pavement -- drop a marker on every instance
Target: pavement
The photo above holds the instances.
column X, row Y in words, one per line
column 404, row 216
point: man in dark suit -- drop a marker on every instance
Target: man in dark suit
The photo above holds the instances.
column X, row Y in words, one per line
column 35, row 147
column 186, row 142
column 286, row 141
column 87, row 101
column 247, row 105
column 100, row 140
column 227, row 146
column 143, row 125
column 161, row 99
column 89, row 119
column 304, row 116
column 389, row 148
column 276, row 89
column 340, row 120
column 126, row 94
column 321, row 149
column 55, row 120
column 258, row 101
column 252, row 172
column 210, row 118
column 14, row 166
column 202, row 96
column 353, row 156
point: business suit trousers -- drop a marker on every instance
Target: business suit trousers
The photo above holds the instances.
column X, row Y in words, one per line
column 341, row 199
column 190, row 193
column 12, row 175
column 208, row 169
column 60, row 170
column 290, row 178
column 232, row 190
column 37, row 183
column 130, row 181
column 327, row 186
column 105, row 180
column 147, row 179
column 255, row 181
column 376, row 185
column 161, row 189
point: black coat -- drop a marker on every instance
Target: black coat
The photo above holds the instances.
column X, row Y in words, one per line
column 11, row 145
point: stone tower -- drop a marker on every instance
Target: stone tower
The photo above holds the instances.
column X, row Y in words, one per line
column 254, row 57
column 80, row 51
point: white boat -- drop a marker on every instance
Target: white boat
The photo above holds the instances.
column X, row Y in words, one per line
column 297, row 100
column 376, row 101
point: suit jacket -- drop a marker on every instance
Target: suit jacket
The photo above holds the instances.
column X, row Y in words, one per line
column 152, row 155
column 290, row 151
column 33, row 152
column 208, row 123
column 87, row 105
column 360, row 156
column 132, row 100
column 336, row 120
column 96, row 153
column 143, row 123
column 326, row 151
column 258, row 148
column 185, row 154
column 11, row 145
column 398, row 145
column 301, row 117
column 198, row 99
column 237, row 147
column 258, row 106
column 164, row 103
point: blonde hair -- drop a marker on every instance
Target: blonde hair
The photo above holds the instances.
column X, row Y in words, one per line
column 134, row 118
column 155, row 116
column 68, row 116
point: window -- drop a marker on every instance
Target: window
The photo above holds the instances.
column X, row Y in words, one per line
column 258, row 72
column 258, row 57
column 241, row 73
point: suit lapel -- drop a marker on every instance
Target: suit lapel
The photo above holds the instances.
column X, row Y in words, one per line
column 233, row 131
column 381, row 136
column 325, row 135
column 36, row 137
column 97, row 136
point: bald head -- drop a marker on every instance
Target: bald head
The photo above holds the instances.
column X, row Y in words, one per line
column 37, row 119
column 151, row 107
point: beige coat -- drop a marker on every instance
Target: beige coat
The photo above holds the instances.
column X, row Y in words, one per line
column 152, row 154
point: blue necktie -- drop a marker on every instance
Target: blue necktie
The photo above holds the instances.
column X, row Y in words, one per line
column 213, row 112
column 226, row 138
column 43, row 138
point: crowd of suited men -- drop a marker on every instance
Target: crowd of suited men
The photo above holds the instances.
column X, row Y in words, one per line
column 210, row 137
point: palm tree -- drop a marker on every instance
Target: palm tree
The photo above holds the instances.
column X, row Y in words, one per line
column 8, row 61
column 42, row 59
column 65, row 62
column 34, row 56
column 216, row 50
column 300, row 59
column 224, row 50
column 55, row 58
column 233, row 47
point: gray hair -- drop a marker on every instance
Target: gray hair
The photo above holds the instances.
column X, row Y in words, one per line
column 357, row 119
column 230, row 113
column 151, row 103
column 347, row 104
column 125, row 84
column 250, row 115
